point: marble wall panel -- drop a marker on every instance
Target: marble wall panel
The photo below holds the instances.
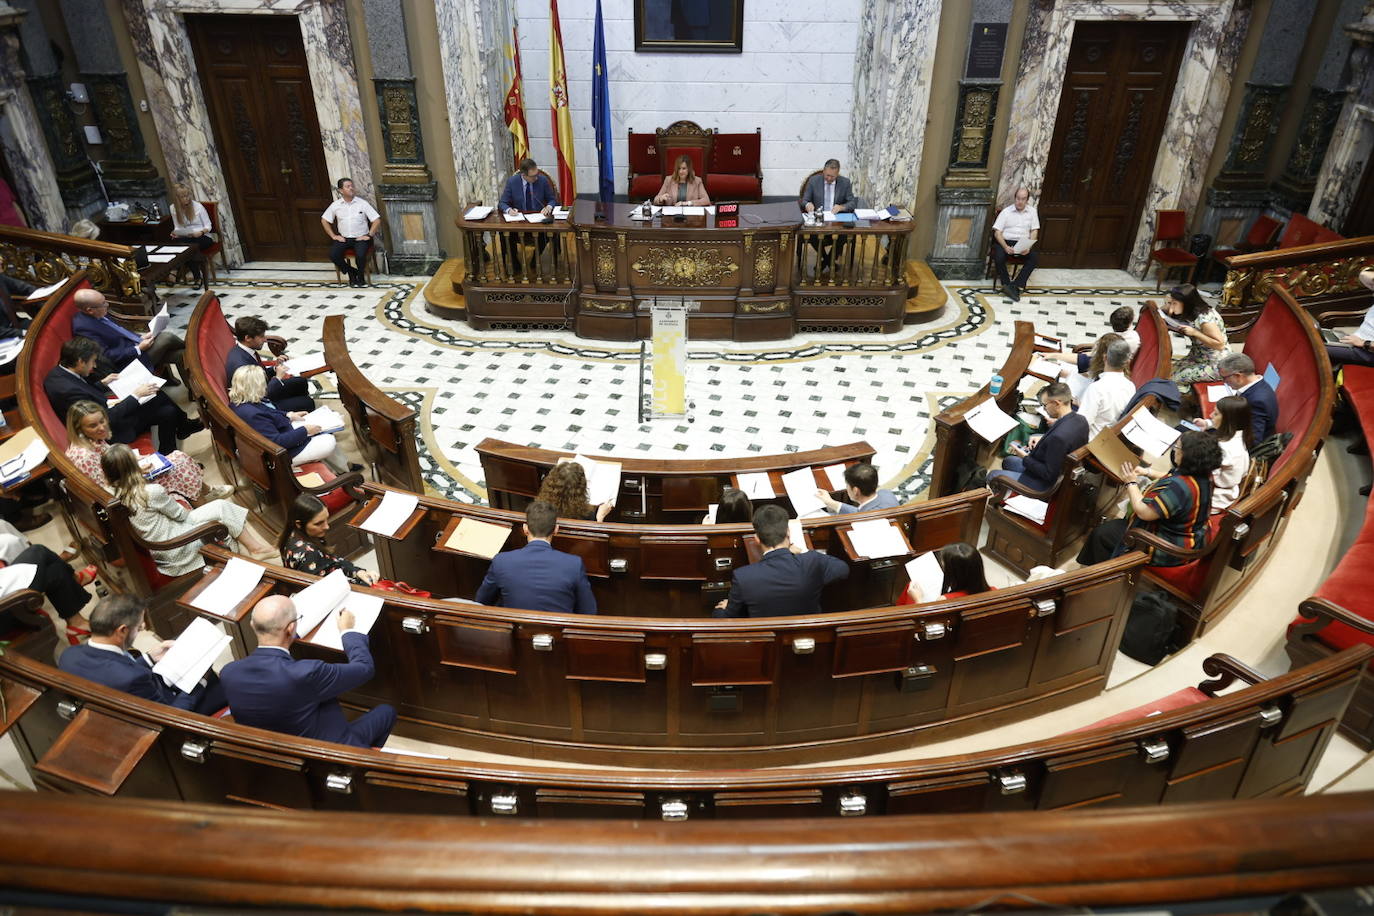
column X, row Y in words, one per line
column 1352, row 143
column 178, row 106
column 1200, row 93
column 21, row 138
column 472, row 38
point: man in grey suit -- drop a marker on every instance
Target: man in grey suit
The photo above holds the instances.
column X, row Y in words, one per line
column 828, row 192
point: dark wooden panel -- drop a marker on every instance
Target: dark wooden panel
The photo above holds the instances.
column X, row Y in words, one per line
column 598, row 656
column 783, row 803
column 941, row 795
column 404, row 793
column 673, row 558
column 562, row 803
column 1090, row 778
column 470, row 644
column 874, row 648
column 97, row 752
column 733, row 660
column 1212, row 759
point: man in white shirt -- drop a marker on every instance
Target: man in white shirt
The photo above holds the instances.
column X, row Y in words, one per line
column 1016, row 223
column 1356, row 349
column 1108, row 396
column 356, row 223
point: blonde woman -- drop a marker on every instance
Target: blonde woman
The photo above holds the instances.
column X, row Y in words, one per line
column 248, row 395
column 158, row 517
column 88, row 432
column 191, row 224
column 683, row 186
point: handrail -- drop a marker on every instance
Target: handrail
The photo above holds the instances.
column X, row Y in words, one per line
column 44, row 258
column 1327, row 271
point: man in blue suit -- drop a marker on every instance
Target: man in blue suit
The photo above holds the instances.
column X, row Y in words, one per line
column 270, row 689
column 828, row 192
column 1238, row 372
column 109, row 658
column 122, row 346
column 786, row 580
column 286, row 391
column 1039, row 467
column 860, row 485
column 536, row 577
column 526, row 191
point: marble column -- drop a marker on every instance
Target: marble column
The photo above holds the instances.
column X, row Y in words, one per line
column 887, row 123
column 472, row 39
column 128, row 172
column 1352, row 142
column 1241, row 190
column 66, row 146
column 1293, row 190
column 965, row 195
column 167, row 65
column 1190, row 133
column 21, row 136
column 407, row 191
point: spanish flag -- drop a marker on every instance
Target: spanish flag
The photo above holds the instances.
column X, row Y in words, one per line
column 515, row 101
column 558, row 107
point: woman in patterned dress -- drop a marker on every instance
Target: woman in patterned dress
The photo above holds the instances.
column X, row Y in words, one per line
column 88, row 432
column 1204, row 329
column 302, row 543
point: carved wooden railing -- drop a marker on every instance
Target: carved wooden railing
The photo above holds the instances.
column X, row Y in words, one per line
column 44, row 258
column 1322, row 277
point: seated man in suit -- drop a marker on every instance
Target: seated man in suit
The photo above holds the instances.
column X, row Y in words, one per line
column 121, row 345
column 286, row 391
column 1039, row 467
column 72, row 380
column 526, row 192
column 860, row 485
column 536, row 577
column 109, row 658
column 786, row 580
column 270, row 689
column 828, row 192
column 1238, row 372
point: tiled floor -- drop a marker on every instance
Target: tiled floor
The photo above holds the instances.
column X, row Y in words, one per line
column 559, row 391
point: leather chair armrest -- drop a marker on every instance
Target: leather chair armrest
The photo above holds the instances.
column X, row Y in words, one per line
column 27, row 607
column 209, row 530
column 276, row 345
column 1320, row 612
column 1142, row 539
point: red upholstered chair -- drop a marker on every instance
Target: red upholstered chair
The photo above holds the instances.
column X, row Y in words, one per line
column 735, row 173
column 1303, row 231
column 646, row 175
column 212, row 210
column 1263, row 235
column 369, row 268
column 684, row 138
column 1171, row 229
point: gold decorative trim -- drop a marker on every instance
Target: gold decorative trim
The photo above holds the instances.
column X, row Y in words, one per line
column 749, row 242
column 1248, row 287
column 685, row 266
column 620, row 241
column 606, row 306
column 763, row 268
column 605, row 266
column 586, row 240
column 753, row 308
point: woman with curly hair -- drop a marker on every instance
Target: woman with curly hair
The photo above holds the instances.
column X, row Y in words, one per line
column 1202, row 325
column 565, row 488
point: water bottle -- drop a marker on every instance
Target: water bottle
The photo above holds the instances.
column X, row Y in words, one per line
column 995, row 385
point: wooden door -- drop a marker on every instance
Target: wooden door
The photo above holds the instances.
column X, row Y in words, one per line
column 257, row 86
column 1117, row 89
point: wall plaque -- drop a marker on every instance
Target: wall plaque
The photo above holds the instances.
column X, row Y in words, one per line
column 986, row 42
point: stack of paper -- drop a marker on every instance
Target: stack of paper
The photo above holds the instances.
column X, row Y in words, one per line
column 536, row 217
column 234, row 583
column 1026, row 507
column 366, row 609
column 796, row 534
column 316, row 602
column 20, row 454
column 395, row 508
column 873, row 215
column 603, row 478
column 477, row 213
column 1149, row 434
column 194, row 651
column 800, row 486
column 1048, row 368
column 513, row 217
column 562, row 212
column 989, row 421
column 482, row 539
column 327, row 419
column 876, row 539
column 133, row 377
column 306, row 362
column 756, row 485
column 925, row 571
column 1049, row 343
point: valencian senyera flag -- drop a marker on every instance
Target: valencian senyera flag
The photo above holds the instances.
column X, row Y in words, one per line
column 558, row 108
column 515, row 101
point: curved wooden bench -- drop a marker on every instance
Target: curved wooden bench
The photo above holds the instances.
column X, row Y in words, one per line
column 96, row 519
column 1261, row 741
column 245, row 455
column 703, row 691
column 657, row 491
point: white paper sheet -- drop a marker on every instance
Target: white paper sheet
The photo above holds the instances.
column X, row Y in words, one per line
column 710, row 518
column 10, row 348
column 1049, row 368
column 800, row 486
column 693, row 211
column 1078, row 384
column 876, row 539
column 306, row 362
column 317, row 601
column 131, row 378
column 795, row 533
column 668, row 211
column 603, row 478
column 172, row 249
column 23, row 464
column 478, row 213
column 232, row 585
column 1051, row 343
column 47, row 291
column 756, row 485
column 925, row 571
column 536, row 217
column 403, row 752
column 872, row 215
column 989, row 421
column 834, row 473
column 1023, row 246
column 513, row 217
column 562, row 212
column 396, row 507
column 194, row 651
column 159, row 322
column 1149, row 434
column 161, row 258
column 366, row 609
column 327, row 419
column 1024, row 506
column 1217, row 392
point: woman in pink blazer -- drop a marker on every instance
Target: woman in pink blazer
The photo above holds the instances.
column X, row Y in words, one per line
column 683, row 186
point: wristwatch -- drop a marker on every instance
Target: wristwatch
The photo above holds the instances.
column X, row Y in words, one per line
column 1367, row 345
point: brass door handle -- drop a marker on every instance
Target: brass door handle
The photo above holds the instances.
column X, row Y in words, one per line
column 284, row 169
column 1089, row 176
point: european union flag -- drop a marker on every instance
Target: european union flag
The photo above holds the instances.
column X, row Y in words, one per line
column 601, row 111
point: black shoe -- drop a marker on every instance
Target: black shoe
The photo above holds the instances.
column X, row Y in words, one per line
column 31, row 520
column 354, row 467
column 171, row 383
column 189, row 428
column 1009, row 290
